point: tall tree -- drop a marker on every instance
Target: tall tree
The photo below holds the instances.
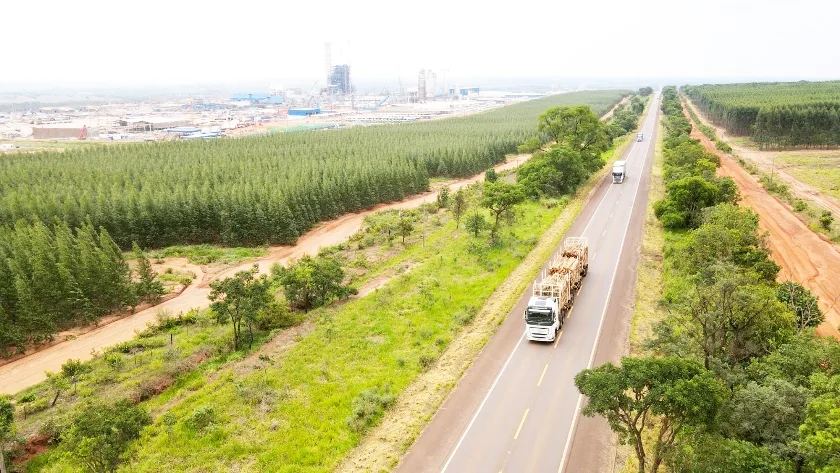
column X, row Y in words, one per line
column 312, row 282
column 650, row 398
column 148, row 288
column 501, row 197
column 459, row 205
column 240, row 299
column 576, row 127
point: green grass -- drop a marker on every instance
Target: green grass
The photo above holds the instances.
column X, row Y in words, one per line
column 385, row 339
column 208, row 254
column 647, row 310
column 819, row 169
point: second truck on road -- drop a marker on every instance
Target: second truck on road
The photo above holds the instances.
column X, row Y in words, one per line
column 554, row 295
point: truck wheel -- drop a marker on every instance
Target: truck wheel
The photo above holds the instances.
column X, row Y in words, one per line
column 585, row 269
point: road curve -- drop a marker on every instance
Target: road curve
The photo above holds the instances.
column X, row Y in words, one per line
column 516, row 408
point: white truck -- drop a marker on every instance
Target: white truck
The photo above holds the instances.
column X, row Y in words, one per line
column 619, row 172
column 640, row 136
column 554, row 295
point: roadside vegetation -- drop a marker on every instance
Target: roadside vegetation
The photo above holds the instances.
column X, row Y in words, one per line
column 775, row 115
column 235, row 386
column 733, row 378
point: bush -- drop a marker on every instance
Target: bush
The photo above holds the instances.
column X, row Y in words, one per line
column 201, row 418
column 799, row 206
column 722, row 146
column 826, row 219
column 368, row 408
column 98, row 434
column 277, row 315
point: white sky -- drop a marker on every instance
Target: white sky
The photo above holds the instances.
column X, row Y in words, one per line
column 191, row 42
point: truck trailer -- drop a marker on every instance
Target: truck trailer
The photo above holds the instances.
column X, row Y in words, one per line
column 619, row 172
column 640, row 136
column 554, row 295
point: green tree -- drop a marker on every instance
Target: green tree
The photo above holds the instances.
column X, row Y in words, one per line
column 98, row 434
column 443, row 198
column 803, row 304
column 404, row 228
column 7, row 428
column 650, row 398
column 529, row 146
column 730, row 316
column 557, row 172
column 684, row 201
column 240, row 299
column 500, row 197
column 576, row 127
column 475, row 223
column 58, row 383
column 826, row 219
column 767, row 414
column 312, row 282
column 645, row 91
column 490, row 175
column 148, row 288
column 72, row 370
column 696, row 452
column 820, row 433
column 459, row 206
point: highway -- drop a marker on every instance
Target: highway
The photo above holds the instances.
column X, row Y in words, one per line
column 516, row 409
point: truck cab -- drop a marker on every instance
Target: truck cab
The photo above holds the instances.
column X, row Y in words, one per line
column 619, row 172
column 543, row 318
column 640, row 136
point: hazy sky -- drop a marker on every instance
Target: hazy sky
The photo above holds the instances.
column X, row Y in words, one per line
column 190, row 42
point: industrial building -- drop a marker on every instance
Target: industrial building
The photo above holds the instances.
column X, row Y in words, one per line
column 61, row 131
column 139, row 124
column 340, row 79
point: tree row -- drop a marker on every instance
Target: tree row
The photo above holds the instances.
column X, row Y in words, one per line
column 259, row 190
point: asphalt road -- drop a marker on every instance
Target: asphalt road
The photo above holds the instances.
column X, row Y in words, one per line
column 516, row 409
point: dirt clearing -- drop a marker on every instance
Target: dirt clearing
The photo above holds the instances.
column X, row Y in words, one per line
column 803, row 255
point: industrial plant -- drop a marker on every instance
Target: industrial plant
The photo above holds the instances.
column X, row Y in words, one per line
column 329, row 103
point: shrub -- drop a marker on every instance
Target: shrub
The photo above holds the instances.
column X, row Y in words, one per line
column 201, row 418
column 799, row 206
column 722, row 146
column 368, row 408
column 826, row 219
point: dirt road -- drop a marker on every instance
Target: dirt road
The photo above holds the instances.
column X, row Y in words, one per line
column 804, row 256
column 764, row 160
column 29, row 370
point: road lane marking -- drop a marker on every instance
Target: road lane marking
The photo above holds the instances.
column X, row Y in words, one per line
column 484, row 401
column 603, row 316
column 604, row 232
column 490, row 391
column 521, row 423
column 543, row 374
column 559, row 336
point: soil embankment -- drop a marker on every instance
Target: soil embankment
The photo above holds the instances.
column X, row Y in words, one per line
column 804, row 256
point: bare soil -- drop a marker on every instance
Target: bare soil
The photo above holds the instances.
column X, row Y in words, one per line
column 805, row 257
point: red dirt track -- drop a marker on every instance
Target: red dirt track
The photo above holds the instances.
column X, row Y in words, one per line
column 804, row 256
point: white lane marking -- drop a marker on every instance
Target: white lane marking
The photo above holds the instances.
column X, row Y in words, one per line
column 475, row 416
column 559, row 336
column 542, row 375
column 601, row 323
column 521, row 423
column 493, row 386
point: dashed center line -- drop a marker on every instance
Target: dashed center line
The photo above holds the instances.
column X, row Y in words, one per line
column 543, row 374
column 521, row 423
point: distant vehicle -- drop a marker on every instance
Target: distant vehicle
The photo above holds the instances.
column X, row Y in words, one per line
column 640, row 136
column 553, row 296
column 619, row 172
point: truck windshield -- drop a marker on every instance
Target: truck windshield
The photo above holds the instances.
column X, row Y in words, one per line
column 539, row 317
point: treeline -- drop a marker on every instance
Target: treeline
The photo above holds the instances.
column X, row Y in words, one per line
column 775, row 114
column 53, row 278
column 689, row 172
column 736, row 381
column 259, row 190
column 626, row 117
